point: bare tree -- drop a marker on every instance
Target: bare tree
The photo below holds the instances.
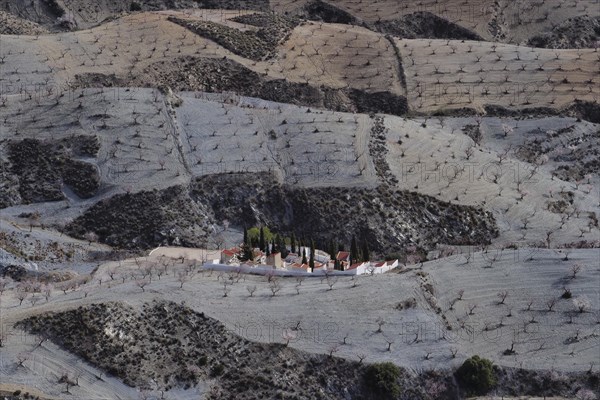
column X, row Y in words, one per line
column 226, row 287
column 275, row 287
column 251, row 290
column 142, row 283
column 582, row 304
column 550, row 303
column 22, row 357
column 502, row 295
column 3, row 284
column 529, row 304
column 331, row 281
column 380, row 322
column 288, row 335
column 47, row 290
column 33, row 300
column 182, row 278
column 389, row 342
column 575, row 269
column 21, row 295
column 333, row 349
column 472, row 308
column 67, row 380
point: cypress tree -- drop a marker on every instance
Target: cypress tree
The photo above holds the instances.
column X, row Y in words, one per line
column 245, row 235
column 261, row 240
column 365, row 251
column 311, row 261
column 304, row 256
column 246, row 252
column 353, row 251
column 282, row 248
column 331, row 249
column 293, row 243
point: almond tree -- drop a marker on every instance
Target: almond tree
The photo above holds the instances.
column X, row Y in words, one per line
column 21, row 295
column 275, row 287
column 288, row 335
column 575, row 269
column 251, row 290
column 582, row 304
column 226, row 288
column 3, row 284
column 550, row 303
column 182, row 278
column 142, row 283
column 22, row 357
column 331, row 282
column 502, row 296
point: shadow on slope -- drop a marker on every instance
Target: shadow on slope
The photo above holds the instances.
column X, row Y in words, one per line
column 388, row 219
column 223, row 75
column 575, row 33
column 175, row 346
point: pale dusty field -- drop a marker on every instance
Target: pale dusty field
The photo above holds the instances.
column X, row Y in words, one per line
column 433, row 160
column 443, row 74
column 419, row 336
column 509, row 21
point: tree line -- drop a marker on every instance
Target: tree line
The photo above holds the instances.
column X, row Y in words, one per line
column 269, row 243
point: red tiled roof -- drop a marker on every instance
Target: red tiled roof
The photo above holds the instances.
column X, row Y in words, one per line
column 356, row 265
column 342, row 255
column 229, row 252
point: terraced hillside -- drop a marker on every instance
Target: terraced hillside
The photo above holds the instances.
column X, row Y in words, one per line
column 461, row 138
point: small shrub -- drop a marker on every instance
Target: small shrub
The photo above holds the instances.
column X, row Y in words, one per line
column 217, row 370
column 476, row 375
column 135, row 6
column 382, row 379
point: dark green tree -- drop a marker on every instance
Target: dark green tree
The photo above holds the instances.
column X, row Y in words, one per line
column 245, row 235
column 365, row 251
column 311, row 260
column 382, row 380
column 331, row 249
column 293, row 243
column 476, row 375
column 354, row 256
column 281, row 246
column 304, row 256
column 246, row 252
column 261, row 239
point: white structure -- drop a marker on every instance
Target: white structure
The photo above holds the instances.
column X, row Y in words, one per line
column 364, row 268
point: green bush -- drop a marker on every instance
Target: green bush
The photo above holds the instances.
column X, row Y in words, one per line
column 382, row 379
column 217, row 370
column 476, row 375
column 135, row 6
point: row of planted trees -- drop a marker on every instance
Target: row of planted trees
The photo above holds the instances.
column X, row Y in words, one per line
column 270, row 243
